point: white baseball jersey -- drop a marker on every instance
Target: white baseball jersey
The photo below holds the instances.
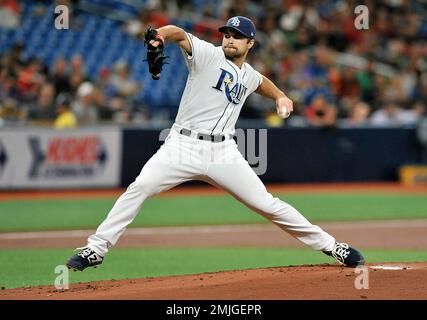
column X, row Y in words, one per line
column 216, row 89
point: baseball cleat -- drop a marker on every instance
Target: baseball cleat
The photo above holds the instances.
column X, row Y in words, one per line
column 84, row 259
column 346, row 255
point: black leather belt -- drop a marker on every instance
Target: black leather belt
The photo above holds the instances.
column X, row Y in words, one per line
column 202, row 136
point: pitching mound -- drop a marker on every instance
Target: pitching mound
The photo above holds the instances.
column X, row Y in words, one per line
column 385, row 281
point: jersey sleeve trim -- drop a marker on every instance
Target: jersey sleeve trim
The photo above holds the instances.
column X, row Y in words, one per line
column 190, row 56
column 260, row 79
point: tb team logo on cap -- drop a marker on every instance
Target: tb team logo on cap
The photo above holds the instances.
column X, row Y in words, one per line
column 235, row 21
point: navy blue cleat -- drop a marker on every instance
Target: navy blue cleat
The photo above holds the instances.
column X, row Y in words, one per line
column 346, row 255
column 84, row 259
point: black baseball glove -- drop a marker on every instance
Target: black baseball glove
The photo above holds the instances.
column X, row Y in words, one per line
column 155, row 54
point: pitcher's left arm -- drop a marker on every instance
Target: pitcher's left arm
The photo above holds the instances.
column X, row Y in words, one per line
column 284, row 105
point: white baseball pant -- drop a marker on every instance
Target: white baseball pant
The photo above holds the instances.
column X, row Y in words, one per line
column 182, row 158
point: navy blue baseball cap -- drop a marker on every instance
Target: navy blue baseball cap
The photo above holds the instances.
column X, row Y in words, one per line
column 241, row 24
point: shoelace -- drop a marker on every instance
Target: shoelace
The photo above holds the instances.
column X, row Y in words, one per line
column 341, row 252
column 85, row 253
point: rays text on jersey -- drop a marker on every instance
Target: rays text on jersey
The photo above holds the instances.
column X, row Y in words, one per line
column 236, row 93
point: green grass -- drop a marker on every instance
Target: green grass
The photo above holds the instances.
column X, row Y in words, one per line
column 207, row 210
column 25, row 267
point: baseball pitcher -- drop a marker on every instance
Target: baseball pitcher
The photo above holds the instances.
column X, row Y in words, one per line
column 200, row 145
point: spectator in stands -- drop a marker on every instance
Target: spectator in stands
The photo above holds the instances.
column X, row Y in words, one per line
column 121, row 111
column 412, row 116
column 358, row 115
column 8, row 77
column 272, row 119
column 104, row 82
column 321, row 113
column 78, row 74
column 140, row 114
column 30, row 78
column 102, row 105
column 394, row 91
column 348, row 85
column 116, row 98
column 84, row 107
column 385, row 116
column 235, row 8
column 136, row 27
column 17, row 56
column 60, row 78
column 408, row 80
column 149, row 16
column 44, row 109
column 157, row 17
column 271, row 41
column 10, row 114
column 122, row 84
column 420, row 93
column 365, row 79
column 123, row 91
column 65, row 118
column 9, row 14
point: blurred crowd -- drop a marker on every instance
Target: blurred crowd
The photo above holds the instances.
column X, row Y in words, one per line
column 64, row 95
column 335, row 74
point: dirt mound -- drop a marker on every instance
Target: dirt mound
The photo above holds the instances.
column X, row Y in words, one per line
column 385, row 281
